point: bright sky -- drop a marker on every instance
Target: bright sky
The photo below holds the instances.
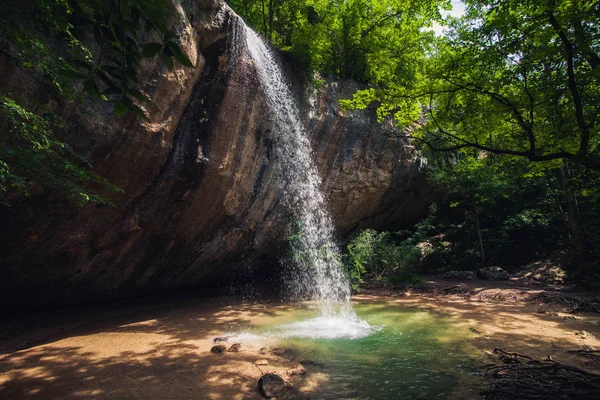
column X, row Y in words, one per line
column 458, row 9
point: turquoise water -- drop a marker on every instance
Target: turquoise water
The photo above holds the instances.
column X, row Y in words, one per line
column 409, row 354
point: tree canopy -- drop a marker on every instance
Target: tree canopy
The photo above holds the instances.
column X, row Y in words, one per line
column 519, row 78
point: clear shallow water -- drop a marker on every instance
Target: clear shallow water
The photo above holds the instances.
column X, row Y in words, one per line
column 388, row 353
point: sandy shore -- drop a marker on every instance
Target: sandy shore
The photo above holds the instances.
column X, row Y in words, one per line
column 162, row 351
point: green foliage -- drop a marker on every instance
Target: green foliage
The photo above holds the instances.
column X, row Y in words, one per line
column 79, row 47
column 363, row 40
column 381, row 255
column 31, row 156
column 123, row 31
column 511, row 77
column 515, row 207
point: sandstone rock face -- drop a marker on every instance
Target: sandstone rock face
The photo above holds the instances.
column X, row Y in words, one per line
column 370, row 172
column 202, row 199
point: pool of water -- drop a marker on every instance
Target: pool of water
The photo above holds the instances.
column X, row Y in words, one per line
column 388, row 352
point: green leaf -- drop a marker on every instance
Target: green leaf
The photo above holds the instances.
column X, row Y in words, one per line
column 179, row 55
column 91, row 88
column 136, row 94
column 170, row 35
column 61, row 17
column 132, row 107
column 168, row 61
column 71, row 74
column 120, row 108
column 161, row 27
column 150, row 50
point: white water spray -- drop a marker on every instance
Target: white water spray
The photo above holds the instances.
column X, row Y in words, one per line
column 319, row 272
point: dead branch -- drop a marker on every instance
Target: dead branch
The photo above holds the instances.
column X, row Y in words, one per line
column 574, row 305
column 522, row 377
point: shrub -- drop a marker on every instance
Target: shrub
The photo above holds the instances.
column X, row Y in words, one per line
column 376, row 254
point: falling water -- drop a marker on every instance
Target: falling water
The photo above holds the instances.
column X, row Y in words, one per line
column 318, row 273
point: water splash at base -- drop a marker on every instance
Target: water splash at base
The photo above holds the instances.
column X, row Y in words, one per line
column 327, row 327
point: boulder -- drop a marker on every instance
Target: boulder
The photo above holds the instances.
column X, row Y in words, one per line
column 459, row 275
column 234, row 348
column 273, row 386
column 218, row 349
column 493, row 274
column 297, row 370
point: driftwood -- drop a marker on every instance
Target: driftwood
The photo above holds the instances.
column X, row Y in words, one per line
column 522, row 377
column 574, row 304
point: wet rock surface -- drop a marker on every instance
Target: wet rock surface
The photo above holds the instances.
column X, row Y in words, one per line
column 202, row 199
column 271, row 386
column 296, row 371
column 218, row 349
column 234, row 348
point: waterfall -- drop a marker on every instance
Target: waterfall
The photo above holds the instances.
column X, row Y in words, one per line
column 318, row 274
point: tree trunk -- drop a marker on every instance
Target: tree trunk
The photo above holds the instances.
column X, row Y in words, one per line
column 475, row 214
column 264, row 17
column 271, row 13
column 573, row 216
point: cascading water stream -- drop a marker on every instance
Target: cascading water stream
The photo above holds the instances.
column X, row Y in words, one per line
column 319, row 272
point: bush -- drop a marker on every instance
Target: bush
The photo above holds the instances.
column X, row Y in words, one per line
column 376, row 254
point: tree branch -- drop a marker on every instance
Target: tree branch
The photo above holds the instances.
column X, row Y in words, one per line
column 525, row 126
column 572, row 83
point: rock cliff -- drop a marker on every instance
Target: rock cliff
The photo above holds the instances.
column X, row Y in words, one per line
column 201, row 200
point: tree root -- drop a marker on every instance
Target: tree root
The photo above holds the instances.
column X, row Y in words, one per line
column 574, row 304
column 522, row 377
column 593, row 355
